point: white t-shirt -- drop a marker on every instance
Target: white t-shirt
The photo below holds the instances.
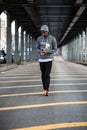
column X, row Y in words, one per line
column 45, row 60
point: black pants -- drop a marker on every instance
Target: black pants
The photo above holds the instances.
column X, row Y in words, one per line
column 45, row 74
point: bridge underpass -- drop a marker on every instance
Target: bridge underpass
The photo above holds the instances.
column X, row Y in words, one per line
column 67, row 21
column 22, row 106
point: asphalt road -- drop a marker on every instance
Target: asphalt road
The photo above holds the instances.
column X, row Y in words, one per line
column 23, row 107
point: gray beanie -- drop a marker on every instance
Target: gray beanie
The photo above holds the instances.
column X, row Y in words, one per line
column 44, row 28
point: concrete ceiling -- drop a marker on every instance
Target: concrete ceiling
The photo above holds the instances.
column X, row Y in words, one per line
column 65, row 18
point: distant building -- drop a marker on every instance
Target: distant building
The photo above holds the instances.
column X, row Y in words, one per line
column 3, row 35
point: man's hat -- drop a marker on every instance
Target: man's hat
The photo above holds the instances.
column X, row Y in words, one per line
column 44, row 28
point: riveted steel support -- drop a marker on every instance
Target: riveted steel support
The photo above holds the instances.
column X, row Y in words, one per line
column 9, row 57
column 86, row 45
column 22, row 45
column 16, row 56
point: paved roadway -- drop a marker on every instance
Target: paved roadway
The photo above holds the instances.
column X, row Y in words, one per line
column 22, row 107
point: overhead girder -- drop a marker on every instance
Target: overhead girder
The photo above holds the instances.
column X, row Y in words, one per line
column 64, row 18
column 33, row 16
column 75, row 19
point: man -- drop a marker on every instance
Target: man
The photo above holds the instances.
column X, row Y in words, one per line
column 46, row 46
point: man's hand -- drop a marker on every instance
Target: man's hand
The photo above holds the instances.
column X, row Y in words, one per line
column 44, row 52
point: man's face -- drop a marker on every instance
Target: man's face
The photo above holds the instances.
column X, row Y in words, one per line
column 45, row 33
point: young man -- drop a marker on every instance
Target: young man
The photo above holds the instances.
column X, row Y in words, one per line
column 46, row 46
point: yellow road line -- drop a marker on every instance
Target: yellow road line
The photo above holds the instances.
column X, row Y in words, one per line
column 37, row 72
column 25, row 86
column 36, row 75
column 59, row 91
column 55, row 126
column 33, row 76
column 38, row 85
column 43, row 105
column 21, row 77
column 11, row 81
column 34, row 80
column 20, row 74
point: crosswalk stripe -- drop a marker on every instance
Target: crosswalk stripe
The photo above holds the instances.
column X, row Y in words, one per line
column 59, row 91
column 55, row 126
column 43, row 105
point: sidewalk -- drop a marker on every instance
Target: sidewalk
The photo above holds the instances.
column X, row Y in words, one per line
column 5, row 67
